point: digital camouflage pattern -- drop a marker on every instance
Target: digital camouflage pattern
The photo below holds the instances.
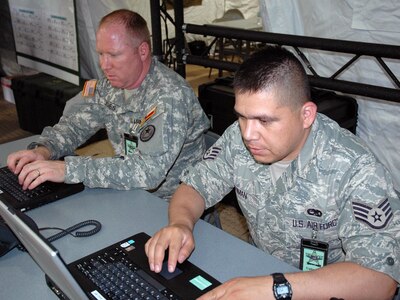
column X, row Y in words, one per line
column 335, row 190
column 164, row 116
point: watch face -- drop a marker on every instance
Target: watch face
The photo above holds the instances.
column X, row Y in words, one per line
column 281, row 287
column 282, row 290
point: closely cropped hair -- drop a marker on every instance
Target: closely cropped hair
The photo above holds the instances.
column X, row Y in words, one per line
column 274, row 67
column 134, row 24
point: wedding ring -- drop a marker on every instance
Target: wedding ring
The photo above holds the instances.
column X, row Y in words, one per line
column 37, row 170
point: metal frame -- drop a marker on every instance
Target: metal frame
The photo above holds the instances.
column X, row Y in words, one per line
column 156, row 10
column 357, row 49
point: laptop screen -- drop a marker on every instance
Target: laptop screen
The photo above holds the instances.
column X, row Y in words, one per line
column 42, row 252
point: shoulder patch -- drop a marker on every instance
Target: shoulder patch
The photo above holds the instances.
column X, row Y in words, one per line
column 375, row 217
column 212, row 153
column 89, row 88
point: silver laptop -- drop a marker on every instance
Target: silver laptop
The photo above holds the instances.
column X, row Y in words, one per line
column 81, row 279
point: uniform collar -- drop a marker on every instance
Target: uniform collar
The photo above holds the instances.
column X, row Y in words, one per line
column 133, row 103
column 309, row 148
column 300, row 166
column 147, row 83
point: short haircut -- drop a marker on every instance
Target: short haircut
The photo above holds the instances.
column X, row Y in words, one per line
column 134, row 23
column 274, row 68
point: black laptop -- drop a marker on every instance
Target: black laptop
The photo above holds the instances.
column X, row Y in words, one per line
column 45, row 193
column 119, row 271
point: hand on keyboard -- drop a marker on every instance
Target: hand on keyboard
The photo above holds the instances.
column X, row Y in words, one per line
column 17, row 160
column 37, row 172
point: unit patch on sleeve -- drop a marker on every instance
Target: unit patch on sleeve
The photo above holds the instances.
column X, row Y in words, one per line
column 375, row 217
column 89, row 88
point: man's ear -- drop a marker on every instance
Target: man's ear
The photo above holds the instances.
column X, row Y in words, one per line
column 144, row 51
column 309, row 113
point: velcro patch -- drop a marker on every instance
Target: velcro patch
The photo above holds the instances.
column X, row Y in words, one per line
column 212, row 153
column 375, row 217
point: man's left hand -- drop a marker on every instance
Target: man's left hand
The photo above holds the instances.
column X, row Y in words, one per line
column 242, row 288
column 37, row 172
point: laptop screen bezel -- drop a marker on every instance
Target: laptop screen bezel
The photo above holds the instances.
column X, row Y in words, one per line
column 42, row 252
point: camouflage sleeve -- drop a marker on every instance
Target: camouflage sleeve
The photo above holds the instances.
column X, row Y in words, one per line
column 73, row 129
column 213, row 176
column 160, row 142
column 369, row 224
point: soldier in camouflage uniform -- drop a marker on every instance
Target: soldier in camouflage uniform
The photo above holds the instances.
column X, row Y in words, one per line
column 299, row 178
column 152, row 117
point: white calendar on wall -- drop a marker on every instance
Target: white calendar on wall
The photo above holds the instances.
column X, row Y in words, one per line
column 46, row 37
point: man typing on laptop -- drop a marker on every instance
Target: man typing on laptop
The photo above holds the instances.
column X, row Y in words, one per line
column 152, row 116
column 313, row 194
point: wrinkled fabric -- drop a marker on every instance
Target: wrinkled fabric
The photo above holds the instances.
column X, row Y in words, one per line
column 335, row 175
column 163, row 114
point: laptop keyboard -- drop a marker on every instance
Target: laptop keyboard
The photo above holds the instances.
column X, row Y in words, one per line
column 118, row 278
column 9, row 183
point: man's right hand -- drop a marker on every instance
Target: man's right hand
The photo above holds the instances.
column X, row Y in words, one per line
column 178, row 239
column 17, row 160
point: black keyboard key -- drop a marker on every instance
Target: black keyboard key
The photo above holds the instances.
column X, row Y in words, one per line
column 119, row 279
column 9, row 183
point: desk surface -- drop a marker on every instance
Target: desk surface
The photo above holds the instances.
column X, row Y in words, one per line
column 122, row 213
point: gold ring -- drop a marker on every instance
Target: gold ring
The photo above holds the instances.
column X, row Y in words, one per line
column 37, row 170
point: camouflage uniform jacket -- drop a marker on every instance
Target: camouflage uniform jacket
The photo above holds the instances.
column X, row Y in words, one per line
column 170, row 138
column 335, row 189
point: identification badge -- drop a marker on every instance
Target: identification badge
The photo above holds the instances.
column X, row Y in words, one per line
column 313, row 254
column 131, row 143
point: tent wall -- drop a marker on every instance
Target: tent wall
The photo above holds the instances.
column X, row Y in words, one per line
column 372, row 21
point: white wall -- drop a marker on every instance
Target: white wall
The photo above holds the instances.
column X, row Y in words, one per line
column 372, row 21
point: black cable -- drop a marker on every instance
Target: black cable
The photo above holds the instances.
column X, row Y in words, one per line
column 70, row 230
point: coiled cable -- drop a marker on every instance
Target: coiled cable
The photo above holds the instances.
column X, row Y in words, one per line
column 70, row 230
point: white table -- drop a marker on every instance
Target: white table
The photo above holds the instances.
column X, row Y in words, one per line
column 122, row 213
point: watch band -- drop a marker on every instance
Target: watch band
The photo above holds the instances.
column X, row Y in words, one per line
column 33, row 145
column 281, row 287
